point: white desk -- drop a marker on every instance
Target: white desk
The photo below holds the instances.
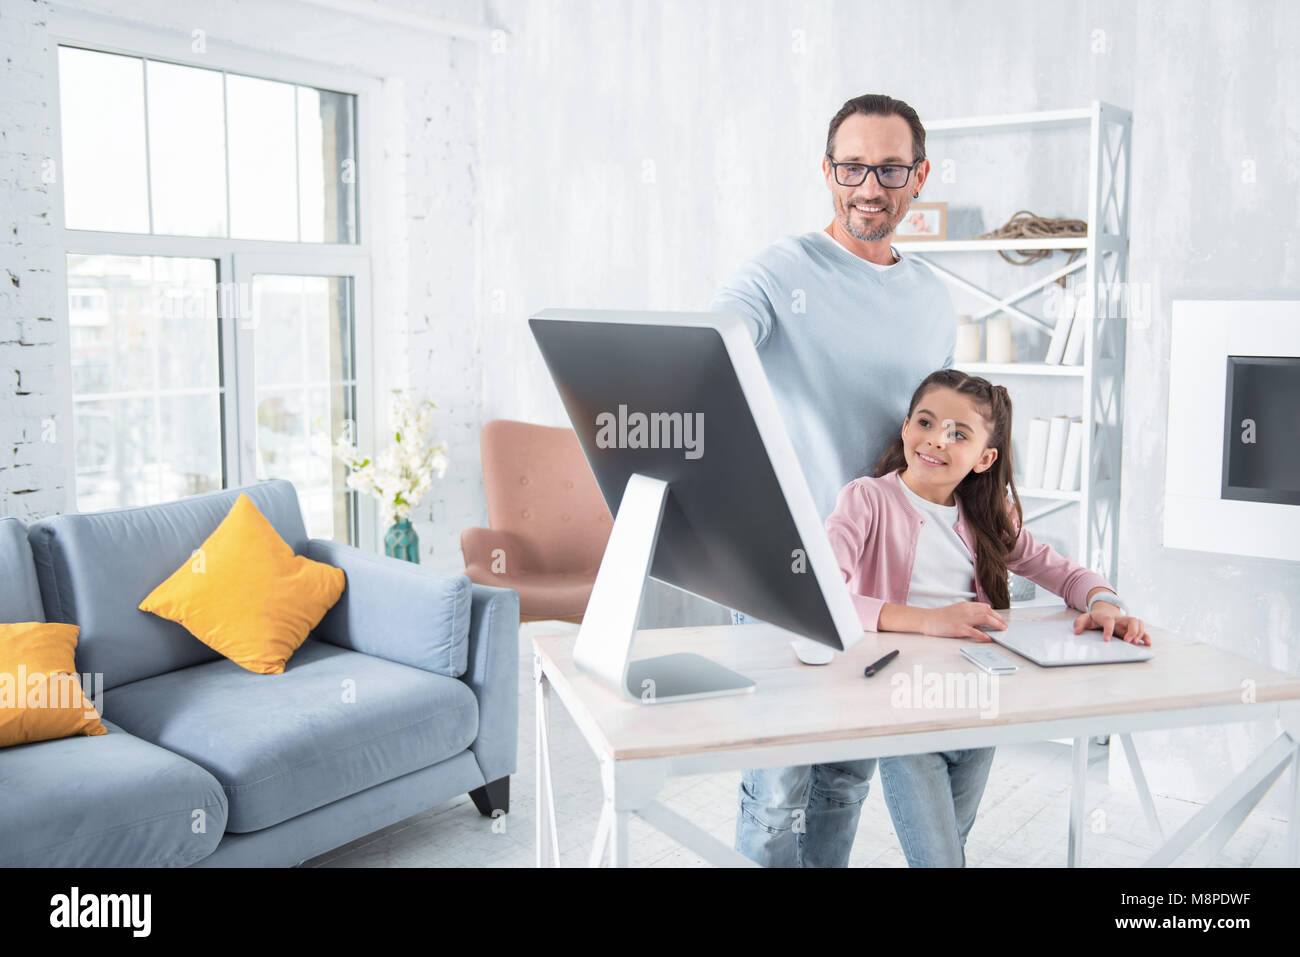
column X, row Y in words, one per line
column 809, row 715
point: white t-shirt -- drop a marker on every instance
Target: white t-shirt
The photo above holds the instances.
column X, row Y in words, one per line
column 880, row 268
column 944, row 572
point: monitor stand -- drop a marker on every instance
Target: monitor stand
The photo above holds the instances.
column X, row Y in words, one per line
column 604, row 646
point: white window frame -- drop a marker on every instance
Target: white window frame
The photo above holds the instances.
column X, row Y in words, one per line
column 359, row 260
column 240, row 337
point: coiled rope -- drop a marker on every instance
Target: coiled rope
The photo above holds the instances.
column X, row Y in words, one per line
column 1027, row 225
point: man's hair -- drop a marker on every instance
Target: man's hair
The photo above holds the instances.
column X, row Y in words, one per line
column 878, row 104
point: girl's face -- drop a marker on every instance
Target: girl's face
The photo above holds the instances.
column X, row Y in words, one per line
column 946, row 437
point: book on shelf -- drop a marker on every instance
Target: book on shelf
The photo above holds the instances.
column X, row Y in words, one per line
column 1057, row 432
column 1061, row 333
column 1052, row 456
column 1036, row 453
column 1073, row 447
column 1074, row 343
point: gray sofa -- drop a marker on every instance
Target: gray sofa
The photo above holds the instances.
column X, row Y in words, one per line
column 404, row 696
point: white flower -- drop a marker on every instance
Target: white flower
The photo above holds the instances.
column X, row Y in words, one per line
column 400, row 475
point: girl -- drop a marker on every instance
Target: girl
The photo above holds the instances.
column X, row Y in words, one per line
column 925, row 545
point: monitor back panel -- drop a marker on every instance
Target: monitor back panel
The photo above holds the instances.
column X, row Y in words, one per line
column 727, row 533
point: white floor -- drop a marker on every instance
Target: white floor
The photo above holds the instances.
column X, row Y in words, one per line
column 1022, row 818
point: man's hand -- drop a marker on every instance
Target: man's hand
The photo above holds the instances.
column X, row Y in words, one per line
column 1112, row 621
column 959, row 620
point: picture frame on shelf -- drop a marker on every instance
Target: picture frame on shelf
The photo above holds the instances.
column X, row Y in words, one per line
column 924, row 221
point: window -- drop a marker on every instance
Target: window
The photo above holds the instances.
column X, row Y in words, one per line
column 154, row 147
column 146, row 387
column 217, row 282
column 306, row 390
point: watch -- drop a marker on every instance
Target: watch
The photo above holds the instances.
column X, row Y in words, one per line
column 1110, row 598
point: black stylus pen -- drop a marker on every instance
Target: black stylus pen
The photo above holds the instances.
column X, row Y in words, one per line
column 877, row 665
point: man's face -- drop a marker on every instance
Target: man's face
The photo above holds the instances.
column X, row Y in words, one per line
column 869, row 211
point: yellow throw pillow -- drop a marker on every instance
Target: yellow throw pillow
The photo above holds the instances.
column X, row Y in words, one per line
column 245, row 594
column 40, row 695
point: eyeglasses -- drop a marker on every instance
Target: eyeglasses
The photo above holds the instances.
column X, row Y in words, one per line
column 888, row 175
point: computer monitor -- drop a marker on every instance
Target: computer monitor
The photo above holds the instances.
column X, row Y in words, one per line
column 683, row 434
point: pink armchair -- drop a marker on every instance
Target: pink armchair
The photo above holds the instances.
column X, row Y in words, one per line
column 549, row 522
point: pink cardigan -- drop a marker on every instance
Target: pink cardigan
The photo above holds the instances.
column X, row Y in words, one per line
column 874, row 530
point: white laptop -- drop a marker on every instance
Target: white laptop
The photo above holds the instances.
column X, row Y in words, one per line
column 1053, row 643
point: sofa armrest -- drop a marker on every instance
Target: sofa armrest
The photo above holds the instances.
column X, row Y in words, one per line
column 493, row 674
column 396, row 610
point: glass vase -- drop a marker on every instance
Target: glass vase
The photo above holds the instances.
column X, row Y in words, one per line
column 402, row 542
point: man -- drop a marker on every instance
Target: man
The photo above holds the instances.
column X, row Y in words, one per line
column 846, row 327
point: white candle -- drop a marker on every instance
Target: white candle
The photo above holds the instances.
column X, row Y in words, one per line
column 968, row 341
column 997, row 339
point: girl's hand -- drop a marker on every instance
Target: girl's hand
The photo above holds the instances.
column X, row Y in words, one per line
column 959, row 620
column 1111, row 620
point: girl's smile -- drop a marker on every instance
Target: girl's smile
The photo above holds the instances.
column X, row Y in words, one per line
column 944, row 439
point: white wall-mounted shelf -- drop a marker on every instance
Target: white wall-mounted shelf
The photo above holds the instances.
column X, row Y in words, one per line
column 1038, row 119
column 987, row 245
column 1018, row 368
column 1056, row 493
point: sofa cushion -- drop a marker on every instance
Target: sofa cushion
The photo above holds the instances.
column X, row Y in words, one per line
column 94, row 569
column 246, row 594
column 41, row 697
column 334, row 723
column 20, row 598
column 111, row 800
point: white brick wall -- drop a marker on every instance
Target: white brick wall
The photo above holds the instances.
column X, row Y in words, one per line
column 424, row 286
column 34, row 444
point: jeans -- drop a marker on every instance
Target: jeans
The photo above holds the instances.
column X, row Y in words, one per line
column 803, row 816
column 932, row 799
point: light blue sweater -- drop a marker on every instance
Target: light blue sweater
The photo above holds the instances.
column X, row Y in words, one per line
column 844, row 344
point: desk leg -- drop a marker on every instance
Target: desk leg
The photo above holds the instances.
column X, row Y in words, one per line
column 545, row 786
column 1144, row 792
column 602, row 836
column 621, row 793
column 618, row 850
column 629, row 787
column 1232, row 818
column 1234, row 801
column 1293, row 815
column 1078, row 791
column 1291, row 725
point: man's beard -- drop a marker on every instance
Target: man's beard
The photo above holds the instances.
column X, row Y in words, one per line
column 871, row 234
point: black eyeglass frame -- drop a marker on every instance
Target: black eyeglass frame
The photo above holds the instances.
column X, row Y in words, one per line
column 873, row 168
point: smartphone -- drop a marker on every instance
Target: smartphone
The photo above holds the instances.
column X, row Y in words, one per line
column 989, row 659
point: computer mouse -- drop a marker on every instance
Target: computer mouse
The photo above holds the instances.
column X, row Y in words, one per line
column 812, row 652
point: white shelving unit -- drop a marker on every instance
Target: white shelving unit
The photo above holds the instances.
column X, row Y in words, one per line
column 1105, row 266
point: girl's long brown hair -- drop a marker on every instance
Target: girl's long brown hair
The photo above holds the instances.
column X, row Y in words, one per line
column 995, row 520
